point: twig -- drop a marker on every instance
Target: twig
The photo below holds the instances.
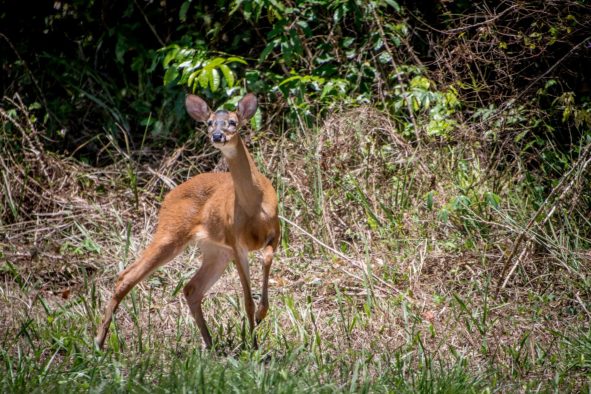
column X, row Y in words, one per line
column 34, row 145
column 514, row 267
column 585, row 162
column 463, row 28
column 31, row 74
column 535, row 81
column 166, row 180
column 152, row 28
column 508, row 103
column 582, row 304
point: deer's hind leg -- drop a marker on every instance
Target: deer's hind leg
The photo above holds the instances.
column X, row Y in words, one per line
column 160, row 251
column 215, row 260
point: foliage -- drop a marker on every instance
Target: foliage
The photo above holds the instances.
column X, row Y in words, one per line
column 304, row 58
column 194, row 69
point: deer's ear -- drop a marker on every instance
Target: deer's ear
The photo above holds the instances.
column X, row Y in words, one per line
column 247, row 107
column 197, row 108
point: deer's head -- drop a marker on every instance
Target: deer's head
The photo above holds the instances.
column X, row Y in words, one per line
column 222, row 126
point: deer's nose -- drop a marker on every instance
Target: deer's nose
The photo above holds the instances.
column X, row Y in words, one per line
column 217, row 136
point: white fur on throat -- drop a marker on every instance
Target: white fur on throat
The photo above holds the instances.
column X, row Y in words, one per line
column 229, row 151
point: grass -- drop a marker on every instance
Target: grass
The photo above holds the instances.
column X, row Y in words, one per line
column 53, row 351
column 385, row 281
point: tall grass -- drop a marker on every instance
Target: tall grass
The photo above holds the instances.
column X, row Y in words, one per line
column 385, row 281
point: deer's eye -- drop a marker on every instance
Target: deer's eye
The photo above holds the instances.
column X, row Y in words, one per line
column 210, row 122
column 232, row 123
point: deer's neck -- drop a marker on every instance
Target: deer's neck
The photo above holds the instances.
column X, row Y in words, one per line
column 246, row 177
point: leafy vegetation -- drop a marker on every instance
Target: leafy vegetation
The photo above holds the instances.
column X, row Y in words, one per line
column 432, row 161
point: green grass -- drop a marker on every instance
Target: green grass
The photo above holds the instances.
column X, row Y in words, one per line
column 304, row 349
column 52, row 351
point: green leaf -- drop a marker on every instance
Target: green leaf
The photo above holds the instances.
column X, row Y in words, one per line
column 188, row 64
column 170, row 55
column 236, row 59
column 550, row 83
column 170, row 75
column 378, row 44
column 236, row 6
column 492, row 200
column 191, row 79
column 120, row 48
column 183, row 11
column 256, row 122
column 296, row 43
column 287, row 80
column 214, row 80
column 394, row 5
column 347, row 42
column 204, row 79
column 338, row 14
column 520, row 136
column 326, row 90
column 228, row 75
column 443, row 215
column 214, row 63
column 429, row 200
column 265, row 53
column 384, row 57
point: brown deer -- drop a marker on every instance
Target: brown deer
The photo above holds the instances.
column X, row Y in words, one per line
column 226, row 214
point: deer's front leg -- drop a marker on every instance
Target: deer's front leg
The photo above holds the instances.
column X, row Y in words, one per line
column 241, row 259
column 264, row 305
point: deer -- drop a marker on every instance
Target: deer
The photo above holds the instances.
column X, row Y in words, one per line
column 227, row 214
